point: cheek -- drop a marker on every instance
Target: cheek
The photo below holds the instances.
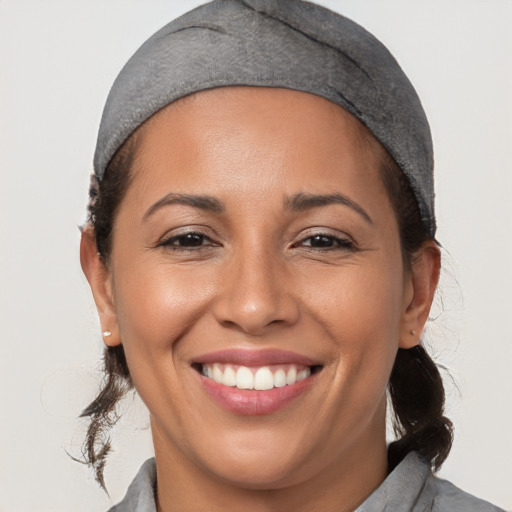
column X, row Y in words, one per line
column 361, row 314
column 156, row 303
column 157, row 306
column 362, row 299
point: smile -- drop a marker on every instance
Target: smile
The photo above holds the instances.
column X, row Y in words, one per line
column 255, row 382
column 257, row 378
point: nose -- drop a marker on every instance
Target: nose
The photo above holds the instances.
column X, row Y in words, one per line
column 256, row 294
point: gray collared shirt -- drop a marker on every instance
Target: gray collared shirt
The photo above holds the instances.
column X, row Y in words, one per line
column 411, row 487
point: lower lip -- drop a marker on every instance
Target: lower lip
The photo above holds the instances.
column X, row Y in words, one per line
column 251, row 402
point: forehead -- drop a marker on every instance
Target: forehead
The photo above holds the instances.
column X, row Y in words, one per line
column 251, row 118
column 247, row 98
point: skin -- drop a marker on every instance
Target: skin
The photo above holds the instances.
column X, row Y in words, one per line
column 256, row 282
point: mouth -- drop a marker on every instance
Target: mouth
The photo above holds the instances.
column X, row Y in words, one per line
column 255, row 382
column 259, row 378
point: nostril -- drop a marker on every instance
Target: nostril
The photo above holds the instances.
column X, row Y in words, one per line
column 254, row 299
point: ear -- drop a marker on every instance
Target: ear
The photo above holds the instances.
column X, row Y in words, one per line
column 99, row 278
column 420, row 287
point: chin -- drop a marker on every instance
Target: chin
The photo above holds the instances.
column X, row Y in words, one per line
column 258, row 472
column 259, row 458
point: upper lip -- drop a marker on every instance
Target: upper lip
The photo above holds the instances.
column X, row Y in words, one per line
column 260, row 357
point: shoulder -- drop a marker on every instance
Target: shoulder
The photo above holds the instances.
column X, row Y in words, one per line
column 449, row 498
column 141, row 493
column 411, row 487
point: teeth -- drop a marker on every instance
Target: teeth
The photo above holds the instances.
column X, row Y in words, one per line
column 244, row 378
column 229, row 378
column 217, row 374
column 280, row 378
column 291, row 376
column 263, row 379
column 303, row 374
column 259, row 379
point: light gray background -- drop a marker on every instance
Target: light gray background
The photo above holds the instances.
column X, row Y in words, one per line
column 57, row 61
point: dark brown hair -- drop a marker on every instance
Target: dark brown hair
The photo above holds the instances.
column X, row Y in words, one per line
column 416, row 389
column 415, row 386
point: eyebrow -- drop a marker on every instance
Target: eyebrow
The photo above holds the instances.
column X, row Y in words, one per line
column 298, row 203
column 302, row 201
column 202, row 202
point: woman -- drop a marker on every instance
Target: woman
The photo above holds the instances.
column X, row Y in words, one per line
column 262, row 256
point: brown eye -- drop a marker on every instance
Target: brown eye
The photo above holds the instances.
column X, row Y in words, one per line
column 187, row 241
column 324, row 241
column 321, row 241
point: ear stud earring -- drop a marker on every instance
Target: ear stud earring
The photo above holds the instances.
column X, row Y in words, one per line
column 106, row 334
column 413, row 332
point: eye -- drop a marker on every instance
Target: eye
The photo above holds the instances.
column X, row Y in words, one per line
column 323, row 241
column 187, row 241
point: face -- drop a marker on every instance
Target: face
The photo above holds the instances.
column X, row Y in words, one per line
column 256, row 247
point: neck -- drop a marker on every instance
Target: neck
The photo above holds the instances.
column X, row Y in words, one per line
column 184, row 486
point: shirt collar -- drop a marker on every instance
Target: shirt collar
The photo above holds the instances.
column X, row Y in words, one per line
column 406, row 489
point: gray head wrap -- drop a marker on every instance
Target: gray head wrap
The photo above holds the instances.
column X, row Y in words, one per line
column 275, row 43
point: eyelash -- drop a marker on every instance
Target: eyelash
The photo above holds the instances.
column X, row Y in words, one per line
column 337, row 242
column 168, row 242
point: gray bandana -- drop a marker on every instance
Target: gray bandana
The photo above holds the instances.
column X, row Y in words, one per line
column 275, row 43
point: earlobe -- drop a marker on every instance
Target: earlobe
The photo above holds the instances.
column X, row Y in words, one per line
column 421, row 286
column 99, row 279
